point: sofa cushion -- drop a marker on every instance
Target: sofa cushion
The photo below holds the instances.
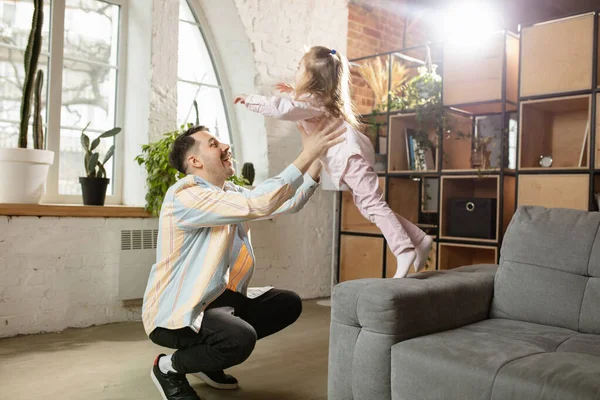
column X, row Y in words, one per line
column 589, row 318
column 536, row 294
column 466, row 363
column 549, row 376
column 427, row 302
column 550, row 269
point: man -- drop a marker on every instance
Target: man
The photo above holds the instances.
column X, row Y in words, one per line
column 196, row 300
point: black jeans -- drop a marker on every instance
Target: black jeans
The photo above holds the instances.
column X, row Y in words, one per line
column 224, row 339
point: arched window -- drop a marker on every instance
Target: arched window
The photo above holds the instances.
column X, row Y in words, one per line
column 198, row 78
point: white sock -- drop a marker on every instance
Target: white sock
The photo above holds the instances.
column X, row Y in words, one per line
column 405, row 261
column 165, row 365
column 422, row 251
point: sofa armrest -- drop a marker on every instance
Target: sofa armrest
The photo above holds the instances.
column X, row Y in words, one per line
column 422, row 304
column 369, row 316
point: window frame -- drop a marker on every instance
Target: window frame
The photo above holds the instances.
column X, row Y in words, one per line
column 200, row 23
column 54, row 104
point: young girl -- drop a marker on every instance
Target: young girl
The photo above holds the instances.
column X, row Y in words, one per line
column 322, row 91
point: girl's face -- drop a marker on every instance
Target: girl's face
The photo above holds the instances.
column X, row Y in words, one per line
column 300, row 73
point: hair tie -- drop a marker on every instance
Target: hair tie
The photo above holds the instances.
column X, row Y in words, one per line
column 333, row 51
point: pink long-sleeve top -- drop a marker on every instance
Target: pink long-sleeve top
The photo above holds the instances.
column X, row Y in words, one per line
column 309, row 112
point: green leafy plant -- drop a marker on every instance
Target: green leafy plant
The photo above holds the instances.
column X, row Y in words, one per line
column 33, row 82
column 93, row 167
column 239, row 180
column 423, row 95
column 160, row 174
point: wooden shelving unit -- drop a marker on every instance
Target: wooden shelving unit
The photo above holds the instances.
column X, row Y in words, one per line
column 351, row 218
column 474, row 76
column 469, row 186
column 398, row 155
column 360, row 257
column 559, row 127
column 558, row 106
column 528, row 95
column 456, row 255
column 556, row 56
column 555, row 190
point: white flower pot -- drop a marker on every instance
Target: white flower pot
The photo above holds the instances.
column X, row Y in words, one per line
column 23, row 174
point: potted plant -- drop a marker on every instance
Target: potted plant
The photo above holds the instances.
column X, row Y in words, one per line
column 93, row 186
column 248, row 173
column 23, row 171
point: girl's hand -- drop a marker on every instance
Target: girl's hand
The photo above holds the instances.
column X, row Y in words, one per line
column 240, row 98
column 284, row 88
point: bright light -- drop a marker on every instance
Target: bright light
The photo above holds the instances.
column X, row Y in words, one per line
column 470, row 23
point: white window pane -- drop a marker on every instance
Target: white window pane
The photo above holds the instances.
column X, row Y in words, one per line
column 72, row 157
column 91, row 31
column 194, row 61
column 11, row 88
column 88, row 95
column 15, row 23
column 9, row 133
column 210, row 107
column 185, row 13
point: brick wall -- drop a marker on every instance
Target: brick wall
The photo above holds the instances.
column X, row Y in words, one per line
column 377, row 26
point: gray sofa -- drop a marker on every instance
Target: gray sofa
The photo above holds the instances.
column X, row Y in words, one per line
column 527, row 329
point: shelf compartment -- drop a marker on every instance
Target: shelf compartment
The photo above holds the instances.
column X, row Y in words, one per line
column 376, row 71
column 377, row 134
column 399, row 150
column 453, row 255
column 554, row 190
column 508, row 203
column 596, row 193
column 475, row 75
column 556, row 56
column 457, row 143
column 453, row 187
column 352, row 219
column 403, row 198
column 429, row 195
column 360, row 257
column 558, row 127
column 391, row 264
column 598, row 131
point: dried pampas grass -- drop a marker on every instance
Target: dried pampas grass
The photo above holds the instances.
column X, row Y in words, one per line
column 376, row 75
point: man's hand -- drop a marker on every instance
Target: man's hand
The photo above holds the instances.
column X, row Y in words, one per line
column 240, row 98
column 284, row 88
column 315, row 170
column 327, row 134
column 316, row 144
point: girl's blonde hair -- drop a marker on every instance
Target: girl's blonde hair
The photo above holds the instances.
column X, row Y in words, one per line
column 328, row 78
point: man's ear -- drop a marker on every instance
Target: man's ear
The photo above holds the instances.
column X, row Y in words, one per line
column 195, row 162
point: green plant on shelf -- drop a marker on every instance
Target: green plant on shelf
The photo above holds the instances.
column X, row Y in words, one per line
column 423, row 95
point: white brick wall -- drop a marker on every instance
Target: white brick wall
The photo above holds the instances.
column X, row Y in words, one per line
column 63, row 272
column 294, row 252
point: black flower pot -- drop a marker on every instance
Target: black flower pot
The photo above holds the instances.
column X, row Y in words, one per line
column 93, row 190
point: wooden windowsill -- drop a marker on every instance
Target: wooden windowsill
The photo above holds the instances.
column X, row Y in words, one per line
column 68, row 210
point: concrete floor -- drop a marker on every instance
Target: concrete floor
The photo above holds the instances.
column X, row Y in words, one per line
column 113, row 362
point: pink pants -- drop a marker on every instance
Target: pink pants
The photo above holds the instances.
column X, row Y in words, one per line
column 364, row 186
